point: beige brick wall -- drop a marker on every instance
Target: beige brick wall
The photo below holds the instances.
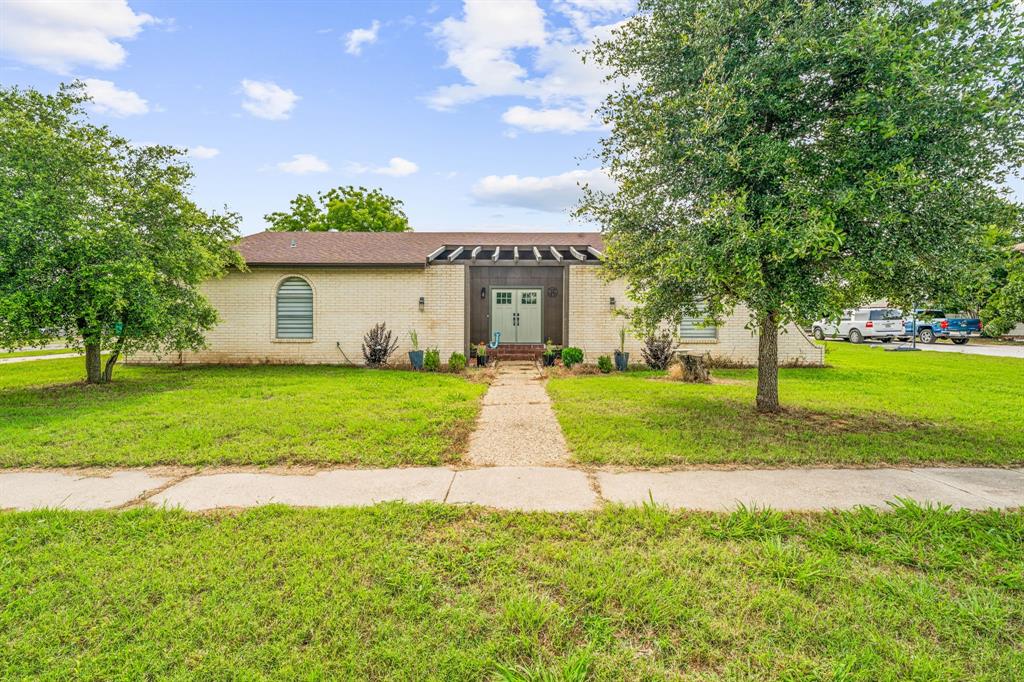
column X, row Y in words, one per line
column 346, row 303
column 594, row 326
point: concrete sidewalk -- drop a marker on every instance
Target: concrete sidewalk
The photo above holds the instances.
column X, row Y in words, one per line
column 522, row 488
column 33, row 358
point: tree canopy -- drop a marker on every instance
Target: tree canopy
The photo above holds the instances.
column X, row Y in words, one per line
column 1003, row 308
column 100, row 245
column 342, row 209
column 797, row 157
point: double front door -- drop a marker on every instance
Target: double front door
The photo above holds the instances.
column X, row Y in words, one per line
column 516, row 313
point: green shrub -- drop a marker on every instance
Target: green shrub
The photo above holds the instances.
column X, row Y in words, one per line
column 572, row 356
column 432, row 359
column 604, row 363
column 457, row 362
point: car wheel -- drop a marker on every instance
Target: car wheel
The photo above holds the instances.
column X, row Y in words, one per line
column 819, row 333
column 927, row 336
column 856, row 336
column 960, row 342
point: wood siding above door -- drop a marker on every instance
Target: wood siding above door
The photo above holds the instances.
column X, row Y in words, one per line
column 549, row 279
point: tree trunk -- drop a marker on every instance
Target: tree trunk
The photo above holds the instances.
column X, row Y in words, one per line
column 695, row 371
column 108, row 370
column 768, row 365
column 93, row 373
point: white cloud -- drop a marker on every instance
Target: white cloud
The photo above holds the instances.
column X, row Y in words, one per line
column 269, row 100
column 481, row 46
column 59, row 34
column 554, row 193
column 560, row 120
column 397, row 168
column 508, row 49
column 107, row 98
column 301, row 164
column 201, row 152
column 357, row 37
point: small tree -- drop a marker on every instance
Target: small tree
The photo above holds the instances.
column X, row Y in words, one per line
column 100, row 245
column 344, row 209
column 797, row 157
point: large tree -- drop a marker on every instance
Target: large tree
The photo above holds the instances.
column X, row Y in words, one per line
column 342, row 209
column 100, row 245
column 799, row 156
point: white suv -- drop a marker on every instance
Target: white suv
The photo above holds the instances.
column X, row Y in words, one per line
column 863, row 323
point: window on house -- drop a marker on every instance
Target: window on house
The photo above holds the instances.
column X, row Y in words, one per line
column 693, row 328
column 294, row 309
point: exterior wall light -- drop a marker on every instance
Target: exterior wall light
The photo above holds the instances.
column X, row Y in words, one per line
column 423, row 302
column 483, row 293
column 611, row 302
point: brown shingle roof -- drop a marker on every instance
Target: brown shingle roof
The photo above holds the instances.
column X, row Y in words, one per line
column 388, row 248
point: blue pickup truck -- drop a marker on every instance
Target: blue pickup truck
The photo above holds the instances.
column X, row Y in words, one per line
column 934, row 324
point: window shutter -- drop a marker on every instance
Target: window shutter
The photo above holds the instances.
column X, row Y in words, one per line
column 691, row 328
column 294, row 309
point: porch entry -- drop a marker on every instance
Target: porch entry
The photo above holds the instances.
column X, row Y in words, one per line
column 517, row 314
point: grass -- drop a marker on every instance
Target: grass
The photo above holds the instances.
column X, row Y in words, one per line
column 446, row 593
column 35, row 352
column 232, row 415
column 868, row 406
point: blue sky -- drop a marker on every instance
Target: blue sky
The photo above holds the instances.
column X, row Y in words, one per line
column 477, row 114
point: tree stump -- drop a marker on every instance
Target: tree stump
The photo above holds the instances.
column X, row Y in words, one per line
column 694, row 369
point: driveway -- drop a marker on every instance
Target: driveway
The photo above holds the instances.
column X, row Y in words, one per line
column 1015, row 351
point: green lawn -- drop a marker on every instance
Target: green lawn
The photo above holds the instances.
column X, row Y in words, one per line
column 35, row 352
column 445, row 593
column 232, row 415
column 868, row 406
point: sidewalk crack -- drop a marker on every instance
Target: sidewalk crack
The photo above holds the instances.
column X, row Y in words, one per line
column 140, row 500
column 447, row 492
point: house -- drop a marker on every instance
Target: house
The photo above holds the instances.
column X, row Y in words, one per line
column 309, row 297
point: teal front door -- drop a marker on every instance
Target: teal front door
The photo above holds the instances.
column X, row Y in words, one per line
column 516, row 314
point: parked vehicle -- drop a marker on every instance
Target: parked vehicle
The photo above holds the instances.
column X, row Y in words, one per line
column 935, row 324
column 864, row 323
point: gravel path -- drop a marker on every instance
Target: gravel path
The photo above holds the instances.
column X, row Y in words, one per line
column 517, row 426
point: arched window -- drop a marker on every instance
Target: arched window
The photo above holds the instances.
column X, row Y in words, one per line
column 294, row 309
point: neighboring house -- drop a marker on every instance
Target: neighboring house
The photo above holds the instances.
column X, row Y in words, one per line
column 309, row 297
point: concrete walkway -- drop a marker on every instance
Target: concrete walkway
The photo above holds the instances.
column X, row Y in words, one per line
column 517, row 426
column 521, row 487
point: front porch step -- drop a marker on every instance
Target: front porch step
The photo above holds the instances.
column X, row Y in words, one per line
column 517, row 351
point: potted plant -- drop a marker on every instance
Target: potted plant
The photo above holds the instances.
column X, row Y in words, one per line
column 621, row 356
column 551, row 352
column 415, row 355
column 481, row 354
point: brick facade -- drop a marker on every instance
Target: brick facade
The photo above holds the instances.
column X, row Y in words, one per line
column 347, row 301
column 594, row 326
